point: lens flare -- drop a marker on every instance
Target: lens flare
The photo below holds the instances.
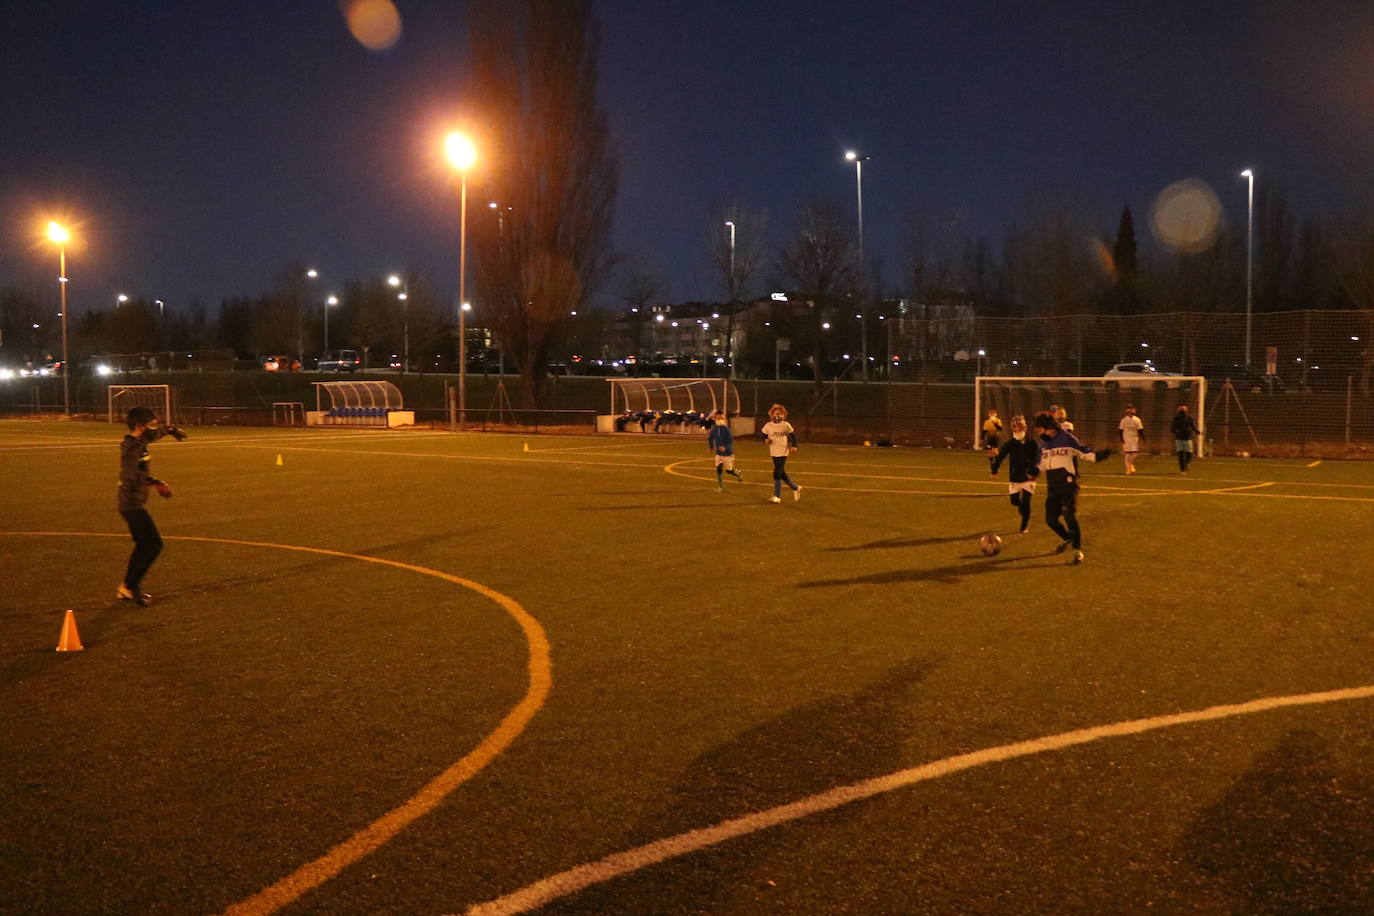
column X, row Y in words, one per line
column 1186, row 216
column 376, row 24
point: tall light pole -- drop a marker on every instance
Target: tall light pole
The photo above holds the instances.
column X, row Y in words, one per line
column 863, row 268
column 730, row 325
column 332, row 300
column 59, row 236
column 1249, row 176
column 462, row 155
column 311, row 274
column 404, row 296
column 120, row 300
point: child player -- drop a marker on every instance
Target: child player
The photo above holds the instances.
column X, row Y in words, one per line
column 1132, row 430
column 1058, row 452
column 992, row 436
column 1024, row 452
column 782, row 441
column 722, row 443
column 135, row 478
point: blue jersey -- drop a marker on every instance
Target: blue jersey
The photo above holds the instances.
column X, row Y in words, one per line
column 721, row 440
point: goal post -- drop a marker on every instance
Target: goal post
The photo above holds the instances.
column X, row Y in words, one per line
column 161, row 399
column 1095, row 405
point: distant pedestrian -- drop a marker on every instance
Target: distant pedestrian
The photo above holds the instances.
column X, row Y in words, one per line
column 1185, row 430
column 1132, row 430
column 722, row 443
column 1024, row 452
column 992, row 435
column 135, row 479
column 782, row 442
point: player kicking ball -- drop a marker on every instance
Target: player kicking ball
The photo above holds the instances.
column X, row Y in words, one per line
column 1024, row 453
column 1058, row 452
column 722, row 445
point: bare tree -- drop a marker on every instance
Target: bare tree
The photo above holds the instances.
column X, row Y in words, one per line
column 549, row 158
column 641, row 284
column 934, row 246
column 821, row 265
column 1050, row 264
column 735, row 245
column 1352, row 262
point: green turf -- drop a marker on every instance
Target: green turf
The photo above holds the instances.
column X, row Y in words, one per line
column 713, row 655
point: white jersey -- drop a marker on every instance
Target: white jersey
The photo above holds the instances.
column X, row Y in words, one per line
column 1130, row 427
column 778, row 433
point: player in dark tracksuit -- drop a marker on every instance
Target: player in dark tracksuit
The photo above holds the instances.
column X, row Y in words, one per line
column 1024, row 453
column 135, row 478
column 1059, row 451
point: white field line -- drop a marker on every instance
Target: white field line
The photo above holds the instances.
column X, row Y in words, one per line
column 613, row 866
column 196, row 442
column 516, row 459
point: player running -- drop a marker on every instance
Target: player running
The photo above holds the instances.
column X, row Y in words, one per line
column 782, row 441
column 722, row 444
column 1058, row 452
column 135, row 478
column 1024, row 453
column 992, row 435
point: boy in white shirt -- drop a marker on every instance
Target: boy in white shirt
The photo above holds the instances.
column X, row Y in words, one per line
column 1132, row 429
column 782, row 441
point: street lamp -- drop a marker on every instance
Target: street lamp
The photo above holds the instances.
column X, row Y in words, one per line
column 312, row 274
column 160, row 306
column 59, row 236
column 462, row 155
column 404, row 296
column 332, row 300
column 120, row 300
column 863, row 271
column 1249, row 176
column 730, row 326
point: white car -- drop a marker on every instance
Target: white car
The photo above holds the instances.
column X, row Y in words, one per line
column 1136, row 370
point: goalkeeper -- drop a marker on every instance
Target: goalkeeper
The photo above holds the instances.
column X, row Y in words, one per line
column 1059, row 451
column 135, row 479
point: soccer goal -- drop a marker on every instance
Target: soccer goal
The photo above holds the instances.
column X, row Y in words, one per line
column 364, row 403
column 1095, row 405
column 160, row 398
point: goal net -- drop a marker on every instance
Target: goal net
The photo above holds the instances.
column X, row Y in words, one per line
column 160, row 398
column 1095, row 405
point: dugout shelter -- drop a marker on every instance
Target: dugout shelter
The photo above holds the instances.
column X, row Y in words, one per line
column 360, row 403
column 678, row 397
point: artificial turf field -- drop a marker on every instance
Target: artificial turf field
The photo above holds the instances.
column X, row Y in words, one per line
column 581, row 652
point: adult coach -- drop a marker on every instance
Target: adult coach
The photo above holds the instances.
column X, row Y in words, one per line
column 135, row 479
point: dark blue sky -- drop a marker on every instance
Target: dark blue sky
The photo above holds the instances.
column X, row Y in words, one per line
column 206, row 144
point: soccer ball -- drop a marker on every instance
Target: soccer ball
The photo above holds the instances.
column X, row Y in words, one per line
column 990, row 544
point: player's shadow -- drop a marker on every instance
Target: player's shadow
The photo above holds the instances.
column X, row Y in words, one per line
column 893, row 543
column 975, row 565
column 797, row 752
column 1292, row 835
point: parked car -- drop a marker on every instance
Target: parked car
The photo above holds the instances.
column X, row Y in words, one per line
column 1243, row 378
column 280, row 364
column 340, row 361
column 1135, row 375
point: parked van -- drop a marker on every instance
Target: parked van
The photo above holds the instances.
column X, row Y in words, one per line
column 340, row 361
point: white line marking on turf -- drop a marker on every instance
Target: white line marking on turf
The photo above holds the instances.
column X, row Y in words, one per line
column 631, row 860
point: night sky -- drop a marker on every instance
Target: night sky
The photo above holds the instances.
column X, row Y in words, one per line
column 202, row 146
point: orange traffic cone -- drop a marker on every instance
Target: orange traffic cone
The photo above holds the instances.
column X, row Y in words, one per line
column 279, row 461
column 527, row 447
column 70, row 640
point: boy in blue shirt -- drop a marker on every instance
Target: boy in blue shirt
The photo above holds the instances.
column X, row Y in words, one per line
column 722, row 443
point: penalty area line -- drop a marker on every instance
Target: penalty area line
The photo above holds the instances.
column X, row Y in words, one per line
column 631, row 860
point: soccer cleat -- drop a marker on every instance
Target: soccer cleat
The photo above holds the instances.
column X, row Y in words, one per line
column 796, row 494
column 739, row 475
column 124, row 593
column 1024, row 531
column 719, row 488
column 1062, row 547
column 774, row 499
column 1077, row 557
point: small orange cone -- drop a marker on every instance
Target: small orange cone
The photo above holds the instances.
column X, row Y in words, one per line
column 527, row 446
column 70, row 640
column 279, row 461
